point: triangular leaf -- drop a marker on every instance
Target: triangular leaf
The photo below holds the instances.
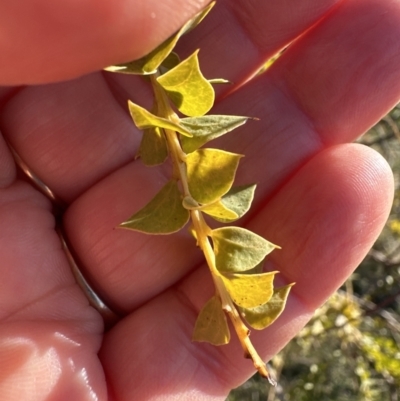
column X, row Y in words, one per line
column 262, row 316
column 143, row 119
column 238, row 200
column 211, row 325
column 207, row 128
column 186, row 86
column 219, row 211
column 150, row 63
column 250, row 290
column 211, row 173
column 153, row 147
column 237, row 249
column 164, row 214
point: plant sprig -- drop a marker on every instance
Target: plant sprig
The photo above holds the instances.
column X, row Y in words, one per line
column 202, row 184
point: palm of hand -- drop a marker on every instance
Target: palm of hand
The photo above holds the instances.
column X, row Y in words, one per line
column 316, row 197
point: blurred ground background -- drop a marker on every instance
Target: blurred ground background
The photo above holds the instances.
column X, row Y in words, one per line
column 350, row 351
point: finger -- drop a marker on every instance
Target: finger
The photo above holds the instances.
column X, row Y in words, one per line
column 238, row 37
column 70, row 134
column 49, row 335
column 349, row 95
column 92, row 136
column 278, row 144
column 44, row 41
column 126, row 268
column 326, row 217
column 280, row 156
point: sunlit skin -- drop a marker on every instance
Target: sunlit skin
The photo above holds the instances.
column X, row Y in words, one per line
column 321, row 198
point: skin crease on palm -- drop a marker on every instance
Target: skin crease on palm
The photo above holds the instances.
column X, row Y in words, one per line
column 321, row 198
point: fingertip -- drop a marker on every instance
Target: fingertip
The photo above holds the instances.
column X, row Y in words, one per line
column 51, row 41
column 330, row 214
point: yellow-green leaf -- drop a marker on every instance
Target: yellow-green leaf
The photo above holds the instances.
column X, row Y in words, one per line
column 262, row 316
column 219, row 211
column 143, row 119
column 238, row 200
column 250, row 290
column 211, row 173
column 207, row 128
column 186, row 86
column 153, row 147
column 164, row 214
column 237, row 249
column 211, row 325
column 150, row 63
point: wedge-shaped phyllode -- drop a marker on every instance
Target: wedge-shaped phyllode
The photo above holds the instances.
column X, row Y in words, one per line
column 164, row 214
column 207, row 128
column 186, row 86
column 262, row 316
column 250, row 290
column 150, row 63
column 211, row 173
column 143, row 119
column 237, row 249
column 212, row 209
column 233, row 205
column 211, row 325
column 238, row 200
column 219, row 211
column 153, row 147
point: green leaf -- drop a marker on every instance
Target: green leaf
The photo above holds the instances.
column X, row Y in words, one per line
column 211, row 173
column 262, row 316
column 150, row 63
column 170, row 62
column 211, row 325
column 143, row 119
column 250, row 290
column 238, row 200
column 207, row 128
column 237, row 249
column 164, row 214
column 186, row 86
column 153, row 147
column 233, row 205
column 256, row 269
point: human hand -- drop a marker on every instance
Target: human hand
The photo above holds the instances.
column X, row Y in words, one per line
column 323, row 200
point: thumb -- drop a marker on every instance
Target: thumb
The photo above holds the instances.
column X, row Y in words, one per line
column 45, row 41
